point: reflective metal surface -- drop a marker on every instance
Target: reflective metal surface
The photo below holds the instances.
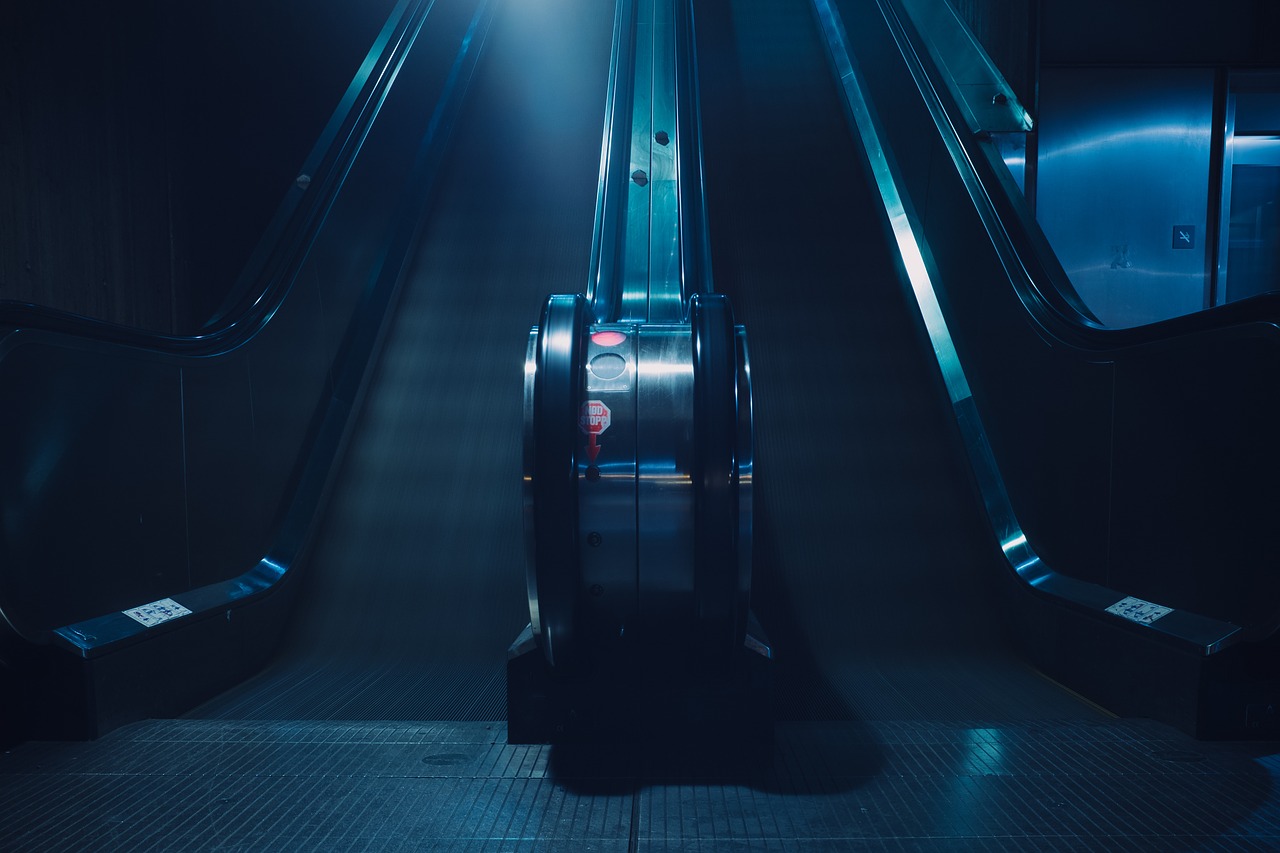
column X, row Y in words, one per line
column 606, row 434
column 990, row 105
column 1249, row 237
column 1186, row 629
column 647, row 285
column 663, row 433
column 665, row 489
column 1123, row 187
column 715, row 471
column 634, row 274
column 553, row 394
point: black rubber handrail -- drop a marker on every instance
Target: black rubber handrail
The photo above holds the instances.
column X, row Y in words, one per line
column 321, row 446
column 1187, row 630
column 268, row 275
column 611, row 193
column 557, row 394
column 695, row 242
column 715, row 473
column 1043, row 288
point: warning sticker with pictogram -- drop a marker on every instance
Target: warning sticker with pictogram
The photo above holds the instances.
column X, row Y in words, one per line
column 157, row 612
column 1137, row 610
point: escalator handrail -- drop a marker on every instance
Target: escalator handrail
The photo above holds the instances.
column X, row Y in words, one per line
column 1186, row 630
column 1034, row 273
column 695, row 241
column 267, row 278
column 551, row 476
column 603, row 291
column 1036, row 276
column 1033, row 270
column 327, row 434
column 720, row 601
column 604, row 287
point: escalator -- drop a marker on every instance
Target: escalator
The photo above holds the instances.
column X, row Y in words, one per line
column 874, row 573
column 347, row 692
column 1132, row 540
column 877, row 576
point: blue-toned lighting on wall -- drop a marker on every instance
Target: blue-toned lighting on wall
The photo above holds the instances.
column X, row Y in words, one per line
column 1166, row 134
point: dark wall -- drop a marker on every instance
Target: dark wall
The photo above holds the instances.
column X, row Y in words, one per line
column 144, row 144
column 1167, row 32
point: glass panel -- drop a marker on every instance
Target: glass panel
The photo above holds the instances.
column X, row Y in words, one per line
column 1013, row 151
column 1253, row 244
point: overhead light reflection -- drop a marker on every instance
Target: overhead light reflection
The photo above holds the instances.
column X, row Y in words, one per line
column 1119, row 139
column 1009, row 545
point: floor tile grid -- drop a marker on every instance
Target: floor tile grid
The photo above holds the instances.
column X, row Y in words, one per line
column 376, row 784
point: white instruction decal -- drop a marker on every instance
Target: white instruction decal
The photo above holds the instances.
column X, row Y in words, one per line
column 1137, row 610
column 157, row 612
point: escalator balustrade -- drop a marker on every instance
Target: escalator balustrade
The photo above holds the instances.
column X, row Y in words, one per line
column 638, row 438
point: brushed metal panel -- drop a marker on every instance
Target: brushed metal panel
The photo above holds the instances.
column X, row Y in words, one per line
column 1124, row 158
column 635, row 254
column 607, row 489
column 664, row 511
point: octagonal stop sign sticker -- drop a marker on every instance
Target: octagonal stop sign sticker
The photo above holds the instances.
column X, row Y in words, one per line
column 593, row 418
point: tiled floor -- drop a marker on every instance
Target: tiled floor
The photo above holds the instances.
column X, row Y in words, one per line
column 216, row 785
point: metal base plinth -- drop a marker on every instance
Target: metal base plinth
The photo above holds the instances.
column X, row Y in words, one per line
column 640, row 701
column 67, row 694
